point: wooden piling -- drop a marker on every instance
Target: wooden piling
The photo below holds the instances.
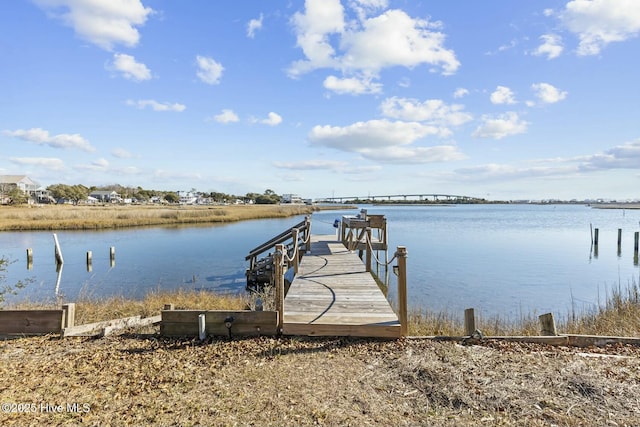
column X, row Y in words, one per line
column 596, row 232
column 278, row 272
column 368, row 256
column 202, row 329
column 619, row 237
column 636, row 238
column 296, row 256
column 29, row 259
column 402, row 290
column 307, row 233
column 58, row 251
column 112, row 256
column 68, row 315
column 547, row 325
column 89, row 261
column 469, row 322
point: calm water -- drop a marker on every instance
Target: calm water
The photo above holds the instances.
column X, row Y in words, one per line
column 499, row 259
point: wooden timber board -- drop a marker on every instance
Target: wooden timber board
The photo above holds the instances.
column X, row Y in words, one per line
column 30, row 322
column 245, row 323
column 333, row 295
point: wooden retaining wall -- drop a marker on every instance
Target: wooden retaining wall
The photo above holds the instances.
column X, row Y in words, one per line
column 37, row 322
column 242, row 323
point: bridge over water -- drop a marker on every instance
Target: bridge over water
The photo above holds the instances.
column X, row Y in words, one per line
column 404, row 197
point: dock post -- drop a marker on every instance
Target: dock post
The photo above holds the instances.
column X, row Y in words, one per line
column 636, row 238
column 89, row 261
column 402, row 289
column 202, row 326
column 58, row 251
column 548, row 325
column 278, row 271
column 368, row 257
column 307, row 233
column 296, row 255
column 29, row 259
column 596, row 232
column 619, row 242
column 112, row 256
column 469, row 322
column 69, row 315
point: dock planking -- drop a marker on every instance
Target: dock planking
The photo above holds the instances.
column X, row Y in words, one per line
column 334, row 295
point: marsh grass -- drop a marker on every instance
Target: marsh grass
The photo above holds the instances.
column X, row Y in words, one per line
column 55, row 217
column 618, row 315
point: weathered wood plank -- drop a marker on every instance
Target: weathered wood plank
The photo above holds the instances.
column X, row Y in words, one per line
column 107, row 327
column 30, row 322
column 378, row 331
column 333, row 295
column 245, row 323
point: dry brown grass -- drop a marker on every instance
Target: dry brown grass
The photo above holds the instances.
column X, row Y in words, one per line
column 147, row 380
column 65, row 217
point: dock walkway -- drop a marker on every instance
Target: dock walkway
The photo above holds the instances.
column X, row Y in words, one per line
column 334, row 295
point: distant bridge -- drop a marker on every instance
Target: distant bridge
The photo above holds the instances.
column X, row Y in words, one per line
column 403, row 197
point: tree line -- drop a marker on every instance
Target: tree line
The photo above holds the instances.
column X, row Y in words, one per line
column 79, row 192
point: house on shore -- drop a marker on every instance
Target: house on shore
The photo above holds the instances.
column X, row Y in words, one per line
column 292, row 199
column 33, row 190
column 106, row 196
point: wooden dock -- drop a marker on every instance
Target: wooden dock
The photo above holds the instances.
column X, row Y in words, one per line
column 334, row 295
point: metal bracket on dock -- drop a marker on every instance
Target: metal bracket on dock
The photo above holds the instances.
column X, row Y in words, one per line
column 228, row 322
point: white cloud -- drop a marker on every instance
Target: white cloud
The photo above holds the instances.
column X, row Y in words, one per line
column 433, row 111
column 415, row 155
column 396, row 39
column 209, row 71
column 367, row 44
column 273, row 119
column 321, row 19
column 253, row 26
column 130, row 68
column 353, row 85
column 504, row 125
column 41, row 162
column 103, row 23
column 334, row 165
column 121, row 153
column 547, row 93
column 98, row 165
column 498, row 172
column 385, row 141
column 226, row 116
column 460, row 92
column 156, row 106
column 551, row 46
column 374, row 134
column 503, row 95
column 600, row 22
column 42, row 137
column 626, row 156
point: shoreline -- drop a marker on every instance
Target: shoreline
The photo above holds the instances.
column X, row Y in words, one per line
column 49, row 218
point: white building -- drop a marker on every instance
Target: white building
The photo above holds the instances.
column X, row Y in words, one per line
column 292, row 198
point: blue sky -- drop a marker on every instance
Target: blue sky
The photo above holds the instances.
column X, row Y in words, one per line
column 502, row 99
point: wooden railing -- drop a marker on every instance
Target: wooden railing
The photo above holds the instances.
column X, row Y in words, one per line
column 260, row 271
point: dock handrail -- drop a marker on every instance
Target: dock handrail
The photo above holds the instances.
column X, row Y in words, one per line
column 280, row 238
